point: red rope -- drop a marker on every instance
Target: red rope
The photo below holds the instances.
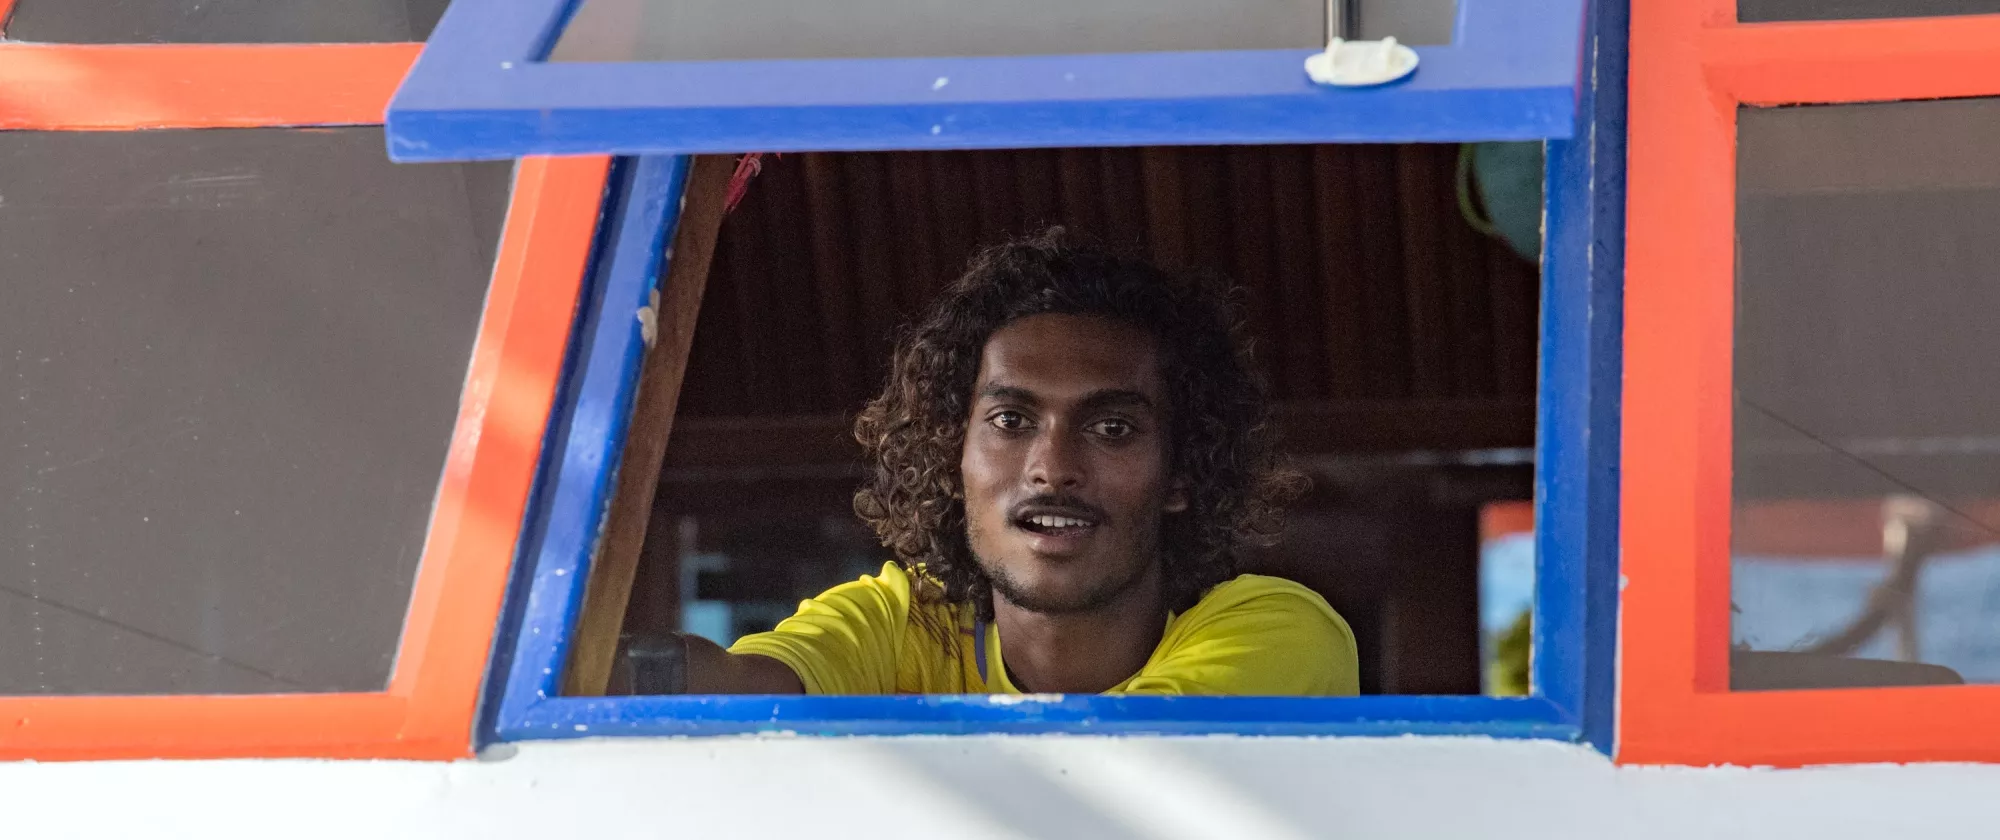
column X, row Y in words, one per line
column 747, row 167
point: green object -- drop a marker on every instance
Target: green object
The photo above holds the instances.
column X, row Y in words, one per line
column 1507, row 676
column 1500, row 193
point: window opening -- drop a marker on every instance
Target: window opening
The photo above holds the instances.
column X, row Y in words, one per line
column 1400, row 343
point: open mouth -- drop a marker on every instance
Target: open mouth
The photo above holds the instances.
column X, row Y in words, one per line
column 1056, row 523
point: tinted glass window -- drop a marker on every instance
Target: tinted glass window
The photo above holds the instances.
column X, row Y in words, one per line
column 1408, row 21
column 223, row 21
column 705, row 30
column 1867, row 424
column 1751, row 11
column 230, row 363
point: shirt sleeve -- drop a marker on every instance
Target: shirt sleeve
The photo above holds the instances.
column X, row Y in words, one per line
column 1254, row 636
column 846, row 641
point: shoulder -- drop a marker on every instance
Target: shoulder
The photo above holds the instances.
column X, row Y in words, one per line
column 1270, row 591
column 847, row 640
column 1272, row 600
column 890, row 580
column 884, row 596
column 892, row 576
column 893, row 596
column 1256, row 635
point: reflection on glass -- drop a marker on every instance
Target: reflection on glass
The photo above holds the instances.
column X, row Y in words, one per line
column 222, row 21
column 1866, row 533
column 1408, row 21
column 231, row 362
column 720, row 30
column 1756, row 11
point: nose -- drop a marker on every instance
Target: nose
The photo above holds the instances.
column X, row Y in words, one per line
column 1055, row 462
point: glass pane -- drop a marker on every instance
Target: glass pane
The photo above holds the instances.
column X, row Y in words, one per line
column 231, row 362
column 1408, row 21
column 1756, row 11
column 223, row 21
column 711, row 30
column 1867, row 428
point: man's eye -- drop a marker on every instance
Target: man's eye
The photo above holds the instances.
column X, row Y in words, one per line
column 1113, row 428
column 1009, row 421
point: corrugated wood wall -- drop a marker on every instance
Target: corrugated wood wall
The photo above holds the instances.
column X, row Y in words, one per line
column 1363, row 280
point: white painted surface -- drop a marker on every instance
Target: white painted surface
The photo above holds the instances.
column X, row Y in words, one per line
column 1100, row 788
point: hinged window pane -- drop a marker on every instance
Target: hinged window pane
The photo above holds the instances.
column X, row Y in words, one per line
column 707, row 30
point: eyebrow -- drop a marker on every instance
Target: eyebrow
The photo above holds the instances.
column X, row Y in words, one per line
column 1100, row 398
column 1009, row 393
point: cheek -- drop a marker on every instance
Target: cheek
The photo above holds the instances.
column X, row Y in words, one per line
column 1135, row 482
column 976, row 471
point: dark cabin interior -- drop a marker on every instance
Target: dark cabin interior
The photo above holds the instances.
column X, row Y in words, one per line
column 1399, row 342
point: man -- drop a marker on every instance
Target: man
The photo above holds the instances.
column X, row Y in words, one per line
column 1069, row 450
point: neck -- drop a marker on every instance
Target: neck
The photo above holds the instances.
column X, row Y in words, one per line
column 1083, row 652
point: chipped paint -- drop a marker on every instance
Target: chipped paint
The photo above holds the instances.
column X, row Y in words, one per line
column 649, row 319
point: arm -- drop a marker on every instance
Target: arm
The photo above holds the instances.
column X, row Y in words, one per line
column 712, row 670
column 845, row 641
column 682, row 664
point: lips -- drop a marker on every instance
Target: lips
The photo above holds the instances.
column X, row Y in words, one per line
column 1059, row 519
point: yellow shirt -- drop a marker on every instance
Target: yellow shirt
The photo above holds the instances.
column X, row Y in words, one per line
column 1253, row 635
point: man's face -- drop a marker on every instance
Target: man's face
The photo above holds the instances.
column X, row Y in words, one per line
column 1065, row 462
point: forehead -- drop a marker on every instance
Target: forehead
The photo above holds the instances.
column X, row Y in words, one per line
column 1071, row 355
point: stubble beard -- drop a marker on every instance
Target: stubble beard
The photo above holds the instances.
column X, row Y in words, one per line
column 1095, row 598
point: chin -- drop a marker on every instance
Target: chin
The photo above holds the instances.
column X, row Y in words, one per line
column 1051, row 591
column 1052, row 602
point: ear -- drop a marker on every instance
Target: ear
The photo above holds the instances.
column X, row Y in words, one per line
column 1177, row 496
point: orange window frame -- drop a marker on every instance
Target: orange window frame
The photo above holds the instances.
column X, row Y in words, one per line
column 1692, row 65
column 427, row 710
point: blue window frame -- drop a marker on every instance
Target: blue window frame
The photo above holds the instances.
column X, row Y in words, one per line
column 481, row 90
column 1576, row 449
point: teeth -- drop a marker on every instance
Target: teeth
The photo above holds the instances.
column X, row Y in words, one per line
column 1057, row 522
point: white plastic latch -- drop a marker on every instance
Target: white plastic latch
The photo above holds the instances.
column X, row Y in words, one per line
column 1361, row 63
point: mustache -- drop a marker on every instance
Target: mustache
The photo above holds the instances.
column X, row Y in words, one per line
column 1056, row 500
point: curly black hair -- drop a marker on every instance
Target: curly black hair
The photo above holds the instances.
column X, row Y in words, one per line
column 1221, row 442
